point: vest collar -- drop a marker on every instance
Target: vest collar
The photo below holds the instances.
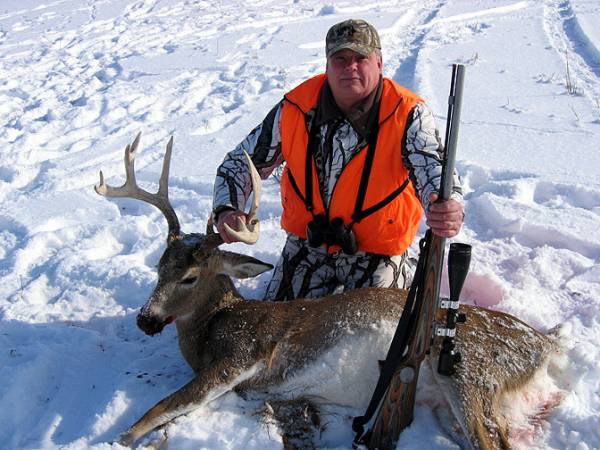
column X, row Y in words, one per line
column 307, row 94
column 362, row 117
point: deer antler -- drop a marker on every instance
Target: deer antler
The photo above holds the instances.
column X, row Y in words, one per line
column 249, row 231
column 212, row 238
column 130, row 189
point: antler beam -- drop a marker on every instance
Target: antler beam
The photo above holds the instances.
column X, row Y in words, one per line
column 130, row 189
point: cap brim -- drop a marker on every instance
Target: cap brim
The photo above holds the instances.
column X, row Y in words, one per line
column 355, row 47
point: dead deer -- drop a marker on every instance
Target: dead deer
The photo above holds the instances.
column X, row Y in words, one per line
column 233, row 343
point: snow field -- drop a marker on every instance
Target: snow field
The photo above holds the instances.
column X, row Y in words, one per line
column 78, row 80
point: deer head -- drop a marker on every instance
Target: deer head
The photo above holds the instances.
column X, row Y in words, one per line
column 192, row 267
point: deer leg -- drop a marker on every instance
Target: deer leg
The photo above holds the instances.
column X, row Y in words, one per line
column 298, row 420
column 160, row 443
column 491, row 435
column 484, row 425
column 209, row 384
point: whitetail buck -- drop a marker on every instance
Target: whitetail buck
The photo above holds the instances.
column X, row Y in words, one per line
column 233, row 343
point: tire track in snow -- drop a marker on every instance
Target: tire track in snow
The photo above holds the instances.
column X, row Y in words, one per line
column 411, row 32
column 580, row 42
column 403, row 41
column 575, row 47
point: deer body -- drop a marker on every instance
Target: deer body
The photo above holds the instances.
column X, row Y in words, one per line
column 234, row 343
column 231, row 342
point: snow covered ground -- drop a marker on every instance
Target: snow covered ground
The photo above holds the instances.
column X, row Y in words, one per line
column 78, row 80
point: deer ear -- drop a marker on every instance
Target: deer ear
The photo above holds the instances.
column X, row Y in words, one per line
column 242, row 266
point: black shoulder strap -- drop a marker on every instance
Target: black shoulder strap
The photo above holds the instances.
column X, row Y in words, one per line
column 360, row 213
column 310, row 150
column 312, row 140
column 295, row 186
column 366, row 173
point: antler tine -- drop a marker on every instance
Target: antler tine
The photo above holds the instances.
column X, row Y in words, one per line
column 130, row 189
column 249, row 232
column 212, row 239
column 256, row 187
column 210, row 225
column 163, row 184
column 130, row 161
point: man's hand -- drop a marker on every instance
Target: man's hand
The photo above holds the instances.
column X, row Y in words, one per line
column 445, row 218
column 231, row 218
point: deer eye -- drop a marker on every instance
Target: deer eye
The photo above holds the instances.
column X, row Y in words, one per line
column 188, row 280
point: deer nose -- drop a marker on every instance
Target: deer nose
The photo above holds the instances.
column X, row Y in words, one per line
column 149, row 324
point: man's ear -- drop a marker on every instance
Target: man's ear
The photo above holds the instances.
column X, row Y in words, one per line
column 242, row 266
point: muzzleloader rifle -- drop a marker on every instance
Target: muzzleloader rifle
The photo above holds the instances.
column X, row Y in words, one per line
column 426, row 320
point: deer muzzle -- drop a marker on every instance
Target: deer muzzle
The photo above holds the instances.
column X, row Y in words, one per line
column 151, row 324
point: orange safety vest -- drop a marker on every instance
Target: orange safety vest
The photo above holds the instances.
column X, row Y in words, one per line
column 391, row 210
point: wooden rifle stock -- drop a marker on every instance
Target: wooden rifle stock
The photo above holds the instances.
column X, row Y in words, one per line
column 395, row 411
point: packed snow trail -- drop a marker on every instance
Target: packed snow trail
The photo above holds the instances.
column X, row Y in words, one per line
column 575, row 42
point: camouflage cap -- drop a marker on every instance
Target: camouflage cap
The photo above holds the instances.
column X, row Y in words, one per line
column 356, row 35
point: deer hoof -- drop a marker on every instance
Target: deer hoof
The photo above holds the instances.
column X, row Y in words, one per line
column 126, row 439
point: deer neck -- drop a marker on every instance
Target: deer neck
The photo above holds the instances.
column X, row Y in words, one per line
column 191, row 329
column 216, row 295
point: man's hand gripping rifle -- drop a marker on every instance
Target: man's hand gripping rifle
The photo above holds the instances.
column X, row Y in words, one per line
column 426, row 319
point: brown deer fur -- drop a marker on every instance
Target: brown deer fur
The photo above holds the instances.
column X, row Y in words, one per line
column 231, row 342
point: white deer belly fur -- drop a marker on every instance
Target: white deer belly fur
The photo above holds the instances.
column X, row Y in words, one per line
column 346, row 373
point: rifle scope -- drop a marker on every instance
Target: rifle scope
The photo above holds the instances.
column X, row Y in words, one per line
column 459, row 259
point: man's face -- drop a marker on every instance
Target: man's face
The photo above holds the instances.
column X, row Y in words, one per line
column 353, row 76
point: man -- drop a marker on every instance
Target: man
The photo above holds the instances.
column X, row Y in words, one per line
column 363, row 159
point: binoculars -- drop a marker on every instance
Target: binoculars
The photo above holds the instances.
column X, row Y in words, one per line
column 320, row 231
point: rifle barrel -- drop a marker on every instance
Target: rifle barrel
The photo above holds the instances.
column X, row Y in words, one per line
column 452, row 124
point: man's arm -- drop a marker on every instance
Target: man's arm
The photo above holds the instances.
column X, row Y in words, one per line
column 233, row 183
column 422, row 154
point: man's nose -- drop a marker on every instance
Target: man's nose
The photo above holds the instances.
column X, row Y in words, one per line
column 351, row 64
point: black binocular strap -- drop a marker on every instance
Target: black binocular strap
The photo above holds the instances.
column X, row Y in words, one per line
column 360, row 215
